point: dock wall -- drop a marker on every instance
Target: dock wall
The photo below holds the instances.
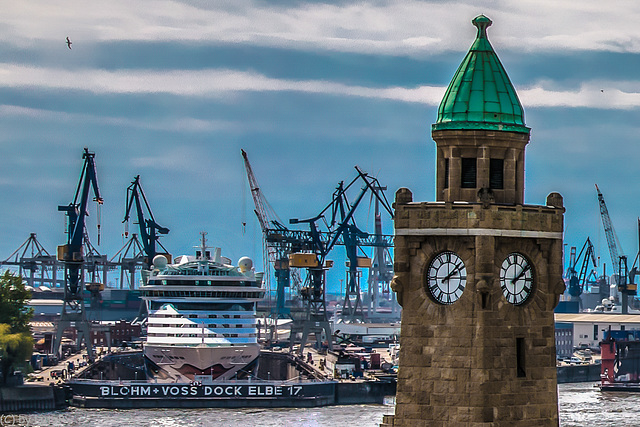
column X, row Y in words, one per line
column 31, row 398
column 363, row 392
column 240, row 394
column 578, row 373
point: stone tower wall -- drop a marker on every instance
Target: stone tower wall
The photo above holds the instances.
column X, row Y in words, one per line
column 482, row 145
column 459, row 362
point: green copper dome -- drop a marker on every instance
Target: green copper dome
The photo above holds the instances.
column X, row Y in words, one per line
column 480, row 95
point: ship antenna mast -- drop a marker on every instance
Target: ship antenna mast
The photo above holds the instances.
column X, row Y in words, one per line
column 203, row 245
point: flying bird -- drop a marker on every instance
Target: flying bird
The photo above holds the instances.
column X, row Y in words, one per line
column 69, row 43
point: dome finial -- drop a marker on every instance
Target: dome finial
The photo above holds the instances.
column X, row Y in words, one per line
column 481, row 22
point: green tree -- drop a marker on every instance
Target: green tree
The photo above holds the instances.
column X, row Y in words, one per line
column 15, row 349
column 16, row 342
column 13, row 303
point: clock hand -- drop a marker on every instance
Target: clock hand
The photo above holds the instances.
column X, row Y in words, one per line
column 454, row 271
column 524, row 270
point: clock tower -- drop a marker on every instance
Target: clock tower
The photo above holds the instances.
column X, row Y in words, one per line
column 478, row 271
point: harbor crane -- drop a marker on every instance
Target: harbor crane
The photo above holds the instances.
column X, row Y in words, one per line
column 342, row 230
column 625, row 287
column 289, row 250
column 577, row 280
column 30, row 258
column 278, row 242
column 149, row 228
column 71, row 255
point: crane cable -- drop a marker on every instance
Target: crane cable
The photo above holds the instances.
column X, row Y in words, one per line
column 99, row 220
column 244, row 202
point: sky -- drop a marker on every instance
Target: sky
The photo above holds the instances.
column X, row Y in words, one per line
column 173, row 90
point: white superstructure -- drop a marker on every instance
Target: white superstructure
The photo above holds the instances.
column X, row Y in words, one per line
column 202, row 316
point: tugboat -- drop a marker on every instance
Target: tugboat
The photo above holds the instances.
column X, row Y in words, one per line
column 620, row 370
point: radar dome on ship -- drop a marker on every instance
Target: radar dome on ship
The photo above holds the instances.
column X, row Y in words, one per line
column 245, row 264
column 159, row 262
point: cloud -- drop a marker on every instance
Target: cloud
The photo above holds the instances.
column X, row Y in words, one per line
column 176, row 124
column 209, row 83
column 600, row 95
column 174, row 160
column 224, row 84
column 383, row 27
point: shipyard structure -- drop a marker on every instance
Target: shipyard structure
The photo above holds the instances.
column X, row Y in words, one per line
column 478, row 272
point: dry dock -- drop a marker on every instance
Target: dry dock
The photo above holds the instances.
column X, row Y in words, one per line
column 283, row 380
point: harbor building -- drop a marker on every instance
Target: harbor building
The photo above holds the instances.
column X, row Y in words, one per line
column 478, row 271
column 589, row 329
column 564, row 339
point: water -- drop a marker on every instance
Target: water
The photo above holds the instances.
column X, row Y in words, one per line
column 581, row 404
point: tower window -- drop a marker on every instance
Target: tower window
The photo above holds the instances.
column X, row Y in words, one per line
column 468, row 178
column 446, row 173
column 496, row 174
column 520, row 353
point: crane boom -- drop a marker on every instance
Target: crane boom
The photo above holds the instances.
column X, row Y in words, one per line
column 338, row 225
column 609, row 232
column 618, row 260
column 266, row 215
column 276, row 250
column 149, row 228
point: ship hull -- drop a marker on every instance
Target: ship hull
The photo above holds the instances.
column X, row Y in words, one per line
column 634, row 388
column 184, row 363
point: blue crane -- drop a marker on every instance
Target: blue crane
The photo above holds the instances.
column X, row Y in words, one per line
column 277, row 241
column 149, row 228
column 71, row 254
column 344, row 231
column 609, row 232
column 616, row 259
column 286, row 248
column 577, row 280
column 76, row 212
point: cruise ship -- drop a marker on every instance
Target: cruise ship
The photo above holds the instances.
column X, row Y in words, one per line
column 202, row 317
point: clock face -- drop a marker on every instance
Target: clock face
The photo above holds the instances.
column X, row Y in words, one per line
column 516, row 278
column 446, row 277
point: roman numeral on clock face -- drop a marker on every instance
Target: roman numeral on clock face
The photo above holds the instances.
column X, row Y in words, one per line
column 516, row 278
column 446, row 278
